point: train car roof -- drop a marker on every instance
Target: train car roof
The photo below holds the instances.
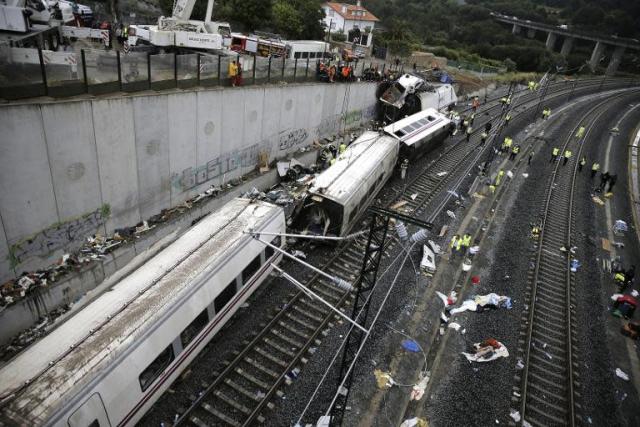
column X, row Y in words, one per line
column 71, row 354
column 418, row 126
column 340, row 181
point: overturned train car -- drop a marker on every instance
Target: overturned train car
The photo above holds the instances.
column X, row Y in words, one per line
column 344, row 191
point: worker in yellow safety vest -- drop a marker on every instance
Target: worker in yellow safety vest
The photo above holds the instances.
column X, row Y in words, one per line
column 469, row 132
column 580, row 132
column 514, row 152
column 499, row 177
column 507, row 119
column 506, row 145
column 532, row 85
column 583, row 161
column 483, row 137
column 466, row 242
column 454, row 241
column 567, row 156
column 535, row 232
column 546, row 113
column 554, row 154
column 342, row 148
column 594, row 169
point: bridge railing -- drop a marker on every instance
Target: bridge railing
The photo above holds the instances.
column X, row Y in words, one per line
column 28, row 73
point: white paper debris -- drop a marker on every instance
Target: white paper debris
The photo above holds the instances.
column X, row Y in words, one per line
column 451, row 214
column 620, row 373
column 414, row 196
column 515, row 415
column 455, row 326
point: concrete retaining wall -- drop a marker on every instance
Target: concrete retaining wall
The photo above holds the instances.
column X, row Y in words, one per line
column 70, row 169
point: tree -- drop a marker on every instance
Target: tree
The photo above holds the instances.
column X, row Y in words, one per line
column 286, row 19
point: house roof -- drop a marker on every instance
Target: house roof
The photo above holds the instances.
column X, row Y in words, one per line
column 349, row 9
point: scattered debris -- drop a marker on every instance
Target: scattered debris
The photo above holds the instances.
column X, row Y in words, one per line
column 414, row 422
column 454, row 194
column 620, row 227
column 598, row 200
column 428, row 262
column 398, row 205
column 480, row 302
column 515, row 415
column 454, row 325
column 466, row 265
column 486, row 351
column 443, row 230
column 575, row 264
column 525, row 175
column 474, row 250
column 299, row 254
column 383, row 379
column 475, row 280
column 418, row 389
column 414, row 196
column 441, row 174
column 411, row 345
column 620, row 374
column 448, row 300
column 520, row 364
column 451, row 214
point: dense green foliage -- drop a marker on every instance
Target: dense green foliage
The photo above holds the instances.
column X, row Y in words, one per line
column 466, row 28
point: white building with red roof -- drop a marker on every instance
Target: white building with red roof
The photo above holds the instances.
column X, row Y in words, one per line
column 353, row 20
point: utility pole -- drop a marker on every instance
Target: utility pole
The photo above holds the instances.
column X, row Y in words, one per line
column 380, row 220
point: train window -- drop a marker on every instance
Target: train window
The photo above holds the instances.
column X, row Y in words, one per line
column 225, row 296
column 250, row 270
column 305, row 55
column 431, row 118
column 269, row 251
column 153, row 371
column 194, row 328
column 296, row 55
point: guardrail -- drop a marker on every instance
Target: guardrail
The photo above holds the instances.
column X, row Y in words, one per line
column 28, row 73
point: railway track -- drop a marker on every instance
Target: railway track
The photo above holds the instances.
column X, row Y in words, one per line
column 547, row 382
column 239, row 394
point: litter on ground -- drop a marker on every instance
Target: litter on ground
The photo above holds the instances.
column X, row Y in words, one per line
column 454, row 325
column 480, row 302
column 383, row 379
column 410, row 345
column 621, row 374
column 598, row 200
column 487, row 351
column 515, row 415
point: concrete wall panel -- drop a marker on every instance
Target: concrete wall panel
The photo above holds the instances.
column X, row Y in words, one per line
column 151, row 123
column 139, row 154
column 27, row 201
column 115, row 143
column 183, row 127
column 73, row 158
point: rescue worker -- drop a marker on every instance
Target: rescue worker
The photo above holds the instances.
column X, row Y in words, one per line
column 583, row 161
column 532, row 86
column 567, row 156
column 595, row 167
column 492, row 188
column 580, row 132
column 514, row 152
column 233, row 72
column 535, row 232
column 507, row 119
column 475, row 103
column 455, row 243
column 466, row 243
column 546, row 113
column 620, row 279
column 483, row 137
column 506, row 145
column 472, row 117
column 469, row 132
column 499, row 177
column 465, row 123
column 531, row 153
column 509, row 100
column 554, row 154
column 503, row 100
column 342, row 148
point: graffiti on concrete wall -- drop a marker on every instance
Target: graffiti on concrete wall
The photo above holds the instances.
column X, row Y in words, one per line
column 58, row 236
column 226, row 163
column 290, row 138
column 332, row 124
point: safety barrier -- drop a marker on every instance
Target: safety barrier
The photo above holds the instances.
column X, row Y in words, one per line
column 27, row 73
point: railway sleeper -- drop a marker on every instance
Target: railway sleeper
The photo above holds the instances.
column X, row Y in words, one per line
column 243, row 391
column 314, row 307
column 270, row 357
column 219, row 415
column 293, row 330
column 299, row 321
column 548, row 365
column 271, row 343
column 231, row 402
column 198, row 422
column 560, row 418
column 545, row 386
column 287, row 339
column 253, row 380
column 261, row 368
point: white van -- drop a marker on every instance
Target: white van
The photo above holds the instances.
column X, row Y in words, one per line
column 307, row 49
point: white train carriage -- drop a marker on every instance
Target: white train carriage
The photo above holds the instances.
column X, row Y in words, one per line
column 107, row 364
column 420, row 133
column 344, row 190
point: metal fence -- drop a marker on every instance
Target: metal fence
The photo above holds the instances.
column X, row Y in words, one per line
column 27, row 73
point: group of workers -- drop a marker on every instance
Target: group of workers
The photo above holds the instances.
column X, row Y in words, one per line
column 624, row 278
column 331, row 72
column 460, row 244
column 330, row 154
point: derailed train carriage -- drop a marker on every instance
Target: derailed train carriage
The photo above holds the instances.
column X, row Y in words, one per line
column 108, row 364
column 344, row 191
